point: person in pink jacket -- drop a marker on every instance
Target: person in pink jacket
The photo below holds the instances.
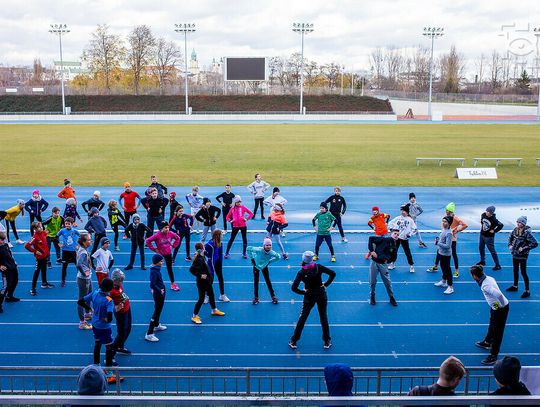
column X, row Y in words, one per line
column 237, row 217
column 164, row 241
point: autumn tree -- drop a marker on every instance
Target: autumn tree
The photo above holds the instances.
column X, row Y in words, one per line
column 452, row 68
column 166, row 56
column 140, row 52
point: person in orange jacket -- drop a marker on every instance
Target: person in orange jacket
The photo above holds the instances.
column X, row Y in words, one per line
column 67, row 192
column 379, row 223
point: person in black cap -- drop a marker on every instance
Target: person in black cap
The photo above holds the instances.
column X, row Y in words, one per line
column 314, row 292
column 406, row 227
column 325, row 223
column 489, row 225
column 506, row 372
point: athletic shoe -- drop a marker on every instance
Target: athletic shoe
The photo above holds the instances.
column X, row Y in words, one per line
column 490, row 360
column 196, row 319
column 512, row 288
column 391, row 266
column 223, row 232
column 393, row 301
column 372, row 300
column 285, row 256
column 526, row 294
column 49, row 265
column 151, row 338
column 244, row 256
column 128, row 267
column 12, row 299
column 58, row 261
column 47, row 285
column 432, row 269
column 483, row 345
column 19, row 241
column 481, row 263
column 411, row 269
column 206, row 299
column 274, row 300
column 292, row 344
column 449, row 290
column 123, row 351
column 63, row 283
column 143, row 267
column 422, row 245
column 327, row 344
column 283, row 234
column 116, row 248
column 344, row 240
column 263, row 218
column 33, row 291
column 10, row 245
column 255, row 301
column 496, row 268
column 333, row 259
column 175, row 287
column 198, row 231
column 88, row 316
column 85, row 325
column 441, row 283
column 160, row 328
column 456, row 274
column 217, row 313
column 367, row 256
column 125, row 237
column 227, row 255
column 315, row 258
column 112, row 378
column 188, row 258
column 224, row 298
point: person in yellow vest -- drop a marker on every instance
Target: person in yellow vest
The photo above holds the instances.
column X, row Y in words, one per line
column 10, row 215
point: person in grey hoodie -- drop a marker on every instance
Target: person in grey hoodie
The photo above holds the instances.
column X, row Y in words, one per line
column 416, row 210
column 444, row 251
column 258, row 188
column 520, row 242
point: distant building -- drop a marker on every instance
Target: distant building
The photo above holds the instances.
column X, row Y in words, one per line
column 71, row 69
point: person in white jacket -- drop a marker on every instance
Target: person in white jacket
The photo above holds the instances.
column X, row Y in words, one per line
column 257, row 189
column 406, row 227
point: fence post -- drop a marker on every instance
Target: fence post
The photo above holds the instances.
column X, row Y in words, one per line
column 378, row 382
column 466, row 382
column 248, row 382
column 118, row 380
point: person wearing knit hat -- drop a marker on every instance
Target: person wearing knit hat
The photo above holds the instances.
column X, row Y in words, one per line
column 258, row 188
column 173, row 204
column 406, row 227
column 314, row 293
column 158, row 293
column 520, row 242
column 276, row 227
column 10, row 215
column 239, row 215
column 506, row 372
column 97, row 225
column 208, row 215
column 325, row 223
column 92, row 381
column 415, row 210
column 122, row 312
column 67, row 192
column 35, row 206
column 275, row 198
column 489, row 226
column 195, row 202
column 129, row 201
column 103, row 259
column 338, row 207
column 444, row 253
column 162, row 242
column 138, row 232
column 94, row 202
column 261, row 257
column 379, row 222
column 116, row 220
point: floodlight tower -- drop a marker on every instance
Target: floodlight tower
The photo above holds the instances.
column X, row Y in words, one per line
column 185, row 29
column 432, row 32
column 302, row 29
column 60, row 29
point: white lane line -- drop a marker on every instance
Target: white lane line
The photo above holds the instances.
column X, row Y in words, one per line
column 291, row 325
column 287, row 301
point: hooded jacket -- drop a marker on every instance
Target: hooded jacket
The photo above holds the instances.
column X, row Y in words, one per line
column 339, row 379
column 213, row 254
column 139, row 233
column 200, row 267
column 385, row 247
column 489, row 223
column 6, row 257
column 276, row 223
column 36, row 206
column 237, row 216
column 405, row 225
column 207, row 215
column 163, row 242
column 311, row 276
column 93, row 203
column 260, row 257
column 525, row 241
column 38, row 243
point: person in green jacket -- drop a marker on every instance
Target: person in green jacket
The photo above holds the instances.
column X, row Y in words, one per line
column 325, row 223
column 52, row 225
column 261, row 257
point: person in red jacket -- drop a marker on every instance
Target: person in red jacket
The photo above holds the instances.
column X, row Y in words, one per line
column 38, row 246
column 378, row 222
column 237, row 216
column 68, row 191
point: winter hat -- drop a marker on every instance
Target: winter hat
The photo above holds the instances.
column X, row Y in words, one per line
column 162, row 224
column 70, row 201
column 118, row 276
column 156, row 258
column 307, row 257
column 375, row 208
column 127, row 185
column 205, row 200
column 136, row 216
column 97, row 193
column 66, row 181
column 490, row 209
column 92, row 381
column 267, row 241
column 324, row 205
column 412, row 195
column 106, row 285
column 35, row 192
column 522, row 220
column 339, row 379
column 506, row 370
column 451, row 207
column 172, row 195
column 405, row 207
column 449, row 219
column 276, row 189
column 94, row 210
column 20, row 201
column 104, row 240
column 237, row 198
column 279, row 207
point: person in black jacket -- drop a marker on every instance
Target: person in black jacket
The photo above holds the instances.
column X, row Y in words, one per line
column 520, row 242
column 506, row 372
column 154, row 184
column 226, row 204
column 199, row 268
column 489, row 225
column 155, row 207
column 338, row 206
column 208, row 214
column 9, row 271
column 314, row 292
column 94, row 202
column 138, row 232
column 383, row 251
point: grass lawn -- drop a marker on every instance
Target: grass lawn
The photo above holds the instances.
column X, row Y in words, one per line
column 286, row 154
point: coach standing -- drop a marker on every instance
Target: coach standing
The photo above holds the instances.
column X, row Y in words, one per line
column 383, row 251
column 489, row 225
column 498, row 314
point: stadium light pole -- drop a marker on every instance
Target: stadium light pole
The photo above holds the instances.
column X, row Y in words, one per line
column 432, row 32
column 537, row 34
column 342, row 71
column 60, row 29
column 302, row 29
column 185, row 29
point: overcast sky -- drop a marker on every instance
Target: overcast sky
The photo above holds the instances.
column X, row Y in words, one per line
column 346, row 31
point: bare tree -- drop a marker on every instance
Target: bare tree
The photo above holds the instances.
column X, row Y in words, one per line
column 293, row 67
column 495, row 70
column 311, row 70
column 377, row 65
column 277, row 73
column 452, row 67
column 393, row 60
column 104, row 53
column 331, row 72
column 166, row 56
column 37, row 74
column 421, row 60
column 140, row 52
column 480, row 68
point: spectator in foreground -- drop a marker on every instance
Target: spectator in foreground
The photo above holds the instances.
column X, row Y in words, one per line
column 506, row 372
column 339, row 380
column 92, row 381
column 450, row 374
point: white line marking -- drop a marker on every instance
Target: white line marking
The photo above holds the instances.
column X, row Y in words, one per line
column 394, row 354
column 292, row 325
column 286, row 301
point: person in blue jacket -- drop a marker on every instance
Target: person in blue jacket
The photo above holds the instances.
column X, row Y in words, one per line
column 214, row 253
column 35, row 206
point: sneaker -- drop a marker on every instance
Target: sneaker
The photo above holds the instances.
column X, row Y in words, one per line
column 391, row 266
column 143, row 267
column 490, row 360
column 128, row 267
column 456, row 274
column 481, row 263
column 496, row 268
column 12, row 299
column 160, row 327
column 112, row 378
column 483, row 345
column 393, row 301
column 10, row 245
column 198, row 231
column 274, row 300
column 224, row 298
column 116, row 248
column 49, row 265
column 372, row 300
column 188, row 258
column 58, row 261
column 367, row 256
column 432, row 269
column 33, row 291
column 292, row 344
column 85, row 325
column 19, row 241
column 512, row 288
column 217, row 313
column 206, row 299
column 285, row 256
column 88, row 315
column 63, row 283
column 315, row 258
column 263, row 218
column 327, row 344
column 125, row 237
column 223, row 232
column 244, row 256
column 47, row 285
column 526, row 294
column 255, row 301
column 227, row 255
column 283, row 234
column 422, row 245
column 151, row 338
column 411, row 269
column 175, row 287
column 333, row 259
column 441, row 283
column 123, row 351
column 449, row 290
column 196, row 319
column 344, row 240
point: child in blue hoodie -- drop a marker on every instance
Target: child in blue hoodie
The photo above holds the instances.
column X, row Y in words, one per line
column 36, row 206
column 68, row 237
column 339, row 380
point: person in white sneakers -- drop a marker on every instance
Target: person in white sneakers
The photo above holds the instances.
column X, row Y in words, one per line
column 158, row 292
column 444, row 253
column 406, row 227
column 258, row 188
column 10, row 215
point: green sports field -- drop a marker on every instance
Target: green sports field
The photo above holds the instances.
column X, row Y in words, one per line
column 288, row 154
